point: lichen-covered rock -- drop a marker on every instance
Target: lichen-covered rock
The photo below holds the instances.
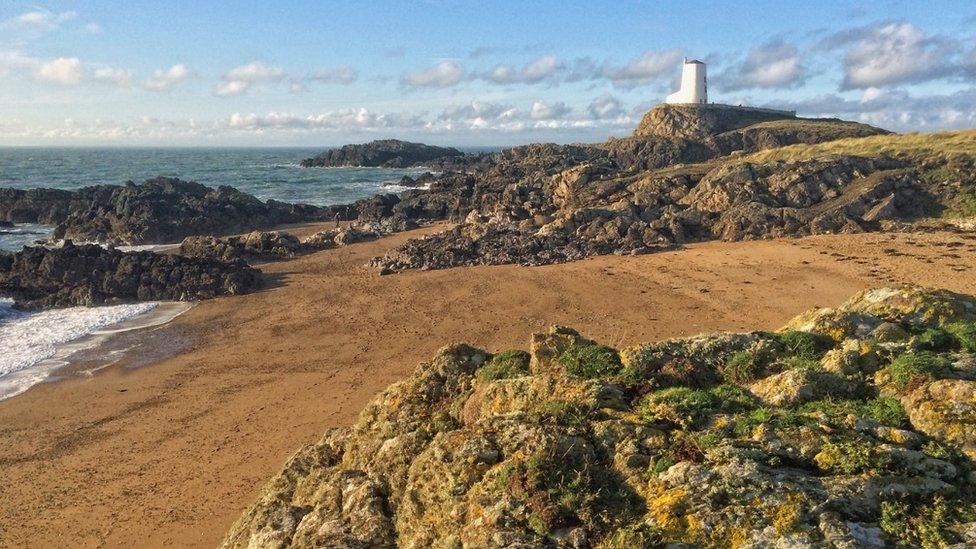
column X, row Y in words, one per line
column 578, row 445
column 946, row 409
column 799, row 385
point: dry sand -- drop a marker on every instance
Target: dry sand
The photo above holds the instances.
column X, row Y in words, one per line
column 169, row 454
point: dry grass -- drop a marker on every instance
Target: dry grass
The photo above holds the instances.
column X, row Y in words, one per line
column 909, row 146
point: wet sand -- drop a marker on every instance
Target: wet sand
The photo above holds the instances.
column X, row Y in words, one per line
column 171, row 453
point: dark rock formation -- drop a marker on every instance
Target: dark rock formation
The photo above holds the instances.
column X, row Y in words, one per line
column 6, row 224
column 256, row 245
column 159, row 210
column 421, row 180
column 384, row 153
column 38, row 277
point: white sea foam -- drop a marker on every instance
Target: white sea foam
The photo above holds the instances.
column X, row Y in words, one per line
column 27, row 339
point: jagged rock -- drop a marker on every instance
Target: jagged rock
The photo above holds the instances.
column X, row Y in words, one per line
column 566, row 453
column 255, row 245
column 386, row 153
column 159, row 210
column 38, row 277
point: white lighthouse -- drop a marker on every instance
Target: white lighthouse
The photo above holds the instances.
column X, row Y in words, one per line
column 694, row 85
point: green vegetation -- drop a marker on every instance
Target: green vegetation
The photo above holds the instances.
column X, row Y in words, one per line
column 780, row 418
column 805, row 345
column 686, row 407
column 590, row 361
column 909, row 146
column 911, row 369
column 934, row 339
column 965, row 335
column 743, row 367
column 506, row 364
column 561, row 491
column 924, row 523
column 799, row 363
column 885, row 410
column 561, row 412
column 852, row 456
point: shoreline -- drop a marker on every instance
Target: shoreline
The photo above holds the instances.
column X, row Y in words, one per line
column 98, row 349
column 199, row 432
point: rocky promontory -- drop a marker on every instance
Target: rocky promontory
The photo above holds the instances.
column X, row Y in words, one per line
column 383, row 153
column 160, row 210
column 850, row 427
column 40, row 278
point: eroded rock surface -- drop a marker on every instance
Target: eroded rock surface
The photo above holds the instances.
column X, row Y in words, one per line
column 574, row 444
column 40, row 278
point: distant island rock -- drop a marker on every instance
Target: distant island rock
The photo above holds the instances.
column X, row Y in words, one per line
column 382, row 153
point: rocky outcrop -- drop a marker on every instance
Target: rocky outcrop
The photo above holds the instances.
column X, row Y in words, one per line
column 256, row 245
column 40, row 278
column 160, row 210
column 591, row 209
column 575, row 444
column 384, row 153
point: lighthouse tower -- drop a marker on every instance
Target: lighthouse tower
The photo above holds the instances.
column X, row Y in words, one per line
column 694, row 85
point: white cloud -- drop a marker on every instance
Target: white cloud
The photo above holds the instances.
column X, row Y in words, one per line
column 549, row 111
column 110, row 75
column 544, row 67
column 649, row 66
column 63, row 70
column 605, row 107
column 892, row 53
column 38, row 20
column 343, row 119
column 239, row 79
column 442, row 75
column 164, row 80
column 775, row 64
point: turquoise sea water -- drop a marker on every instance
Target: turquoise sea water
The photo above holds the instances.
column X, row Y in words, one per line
column 266, row 173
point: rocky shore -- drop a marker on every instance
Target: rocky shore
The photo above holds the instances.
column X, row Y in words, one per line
column 160, row 210
column 849, row 427
column 41, row 278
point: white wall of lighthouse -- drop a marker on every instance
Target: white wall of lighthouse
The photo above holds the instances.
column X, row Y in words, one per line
column 694, row 85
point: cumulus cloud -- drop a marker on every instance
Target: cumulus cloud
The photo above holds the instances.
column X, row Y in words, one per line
column 343, row 119
column 549, row 111
column 164, row 80
column 541, row 68
column 442, row 75
column 239, row 79
column 63, row 70
column 649, row 66
column 605, row 107
column 775, row 64
column 892, row 53
column 895, row 109
column 484, row 110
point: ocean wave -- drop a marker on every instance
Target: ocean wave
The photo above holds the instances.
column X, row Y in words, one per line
column 28, row 338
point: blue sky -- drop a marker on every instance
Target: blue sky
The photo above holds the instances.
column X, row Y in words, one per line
column 457, row 72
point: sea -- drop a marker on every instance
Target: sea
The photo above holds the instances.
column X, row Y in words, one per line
column 32, row 345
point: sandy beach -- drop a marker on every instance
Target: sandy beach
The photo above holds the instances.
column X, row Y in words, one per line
column 169, row 454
